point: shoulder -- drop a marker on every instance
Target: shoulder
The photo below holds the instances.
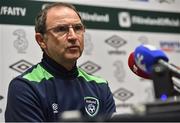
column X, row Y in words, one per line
column 36, row 74
column 89, row 77
column 33, row 76
column 27, row 83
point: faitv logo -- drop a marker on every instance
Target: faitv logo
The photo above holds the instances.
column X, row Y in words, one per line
column 124, row 19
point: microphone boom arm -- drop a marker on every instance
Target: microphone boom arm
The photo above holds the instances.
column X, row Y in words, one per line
column 174, row 71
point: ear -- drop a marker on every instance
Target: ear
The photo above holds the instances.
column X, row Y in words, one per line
column 40, row 40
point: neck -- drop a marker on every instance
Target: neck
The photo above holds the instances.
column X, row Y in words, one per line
column 68, row 65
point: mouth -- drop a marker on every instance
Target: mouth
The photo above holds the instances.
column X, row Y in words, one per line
column 73, row 48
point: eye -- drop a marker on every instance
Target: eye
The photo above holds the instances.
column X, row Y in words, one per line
column 78, row 27
column 64, row 28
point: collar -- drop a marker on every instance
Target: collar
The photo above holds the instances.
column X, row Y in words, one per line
column 56, row 69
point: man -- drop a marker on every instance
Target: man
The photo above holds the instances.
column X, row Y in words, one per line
column 56, row 84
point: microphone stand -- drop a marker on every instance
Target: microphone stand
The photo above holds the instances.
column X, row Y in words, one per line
column 166, row 106
column 162, row 81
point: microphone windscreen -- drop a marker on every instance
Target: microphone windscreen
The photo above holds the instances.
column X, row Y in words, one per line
column 146, row 55
column 135, row 69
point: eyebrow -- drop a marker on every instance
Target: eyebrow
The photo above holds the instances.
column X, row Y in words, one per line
column 63, row 25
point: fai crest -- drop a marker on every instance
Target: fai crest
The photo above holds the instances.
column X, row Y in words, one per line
column 91, row 106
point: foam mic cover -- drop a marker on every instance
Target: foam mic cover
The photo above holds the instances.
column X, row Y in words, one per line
column 146, row 55
column 135, row 69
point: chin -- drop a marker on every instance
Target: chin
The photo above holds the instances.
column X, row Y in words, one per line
column 73, row 58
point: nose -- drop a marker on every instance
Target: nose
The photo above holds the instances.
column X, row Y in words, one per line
column 71, row 33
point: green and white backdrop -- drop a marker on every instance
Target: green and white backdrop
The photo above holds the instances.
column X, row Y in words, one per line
column 114, row 29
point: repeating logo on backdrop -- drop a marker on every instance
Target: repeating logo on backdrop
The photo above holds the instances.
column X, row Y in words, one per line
column 124, row 19
column 1, row 97
column 88, row 45
column 91, row 106
column 119, row 71
column 143, row 40
column 21, row 66
column 21, row 43
column 166, row 1
column 90, row 67
column 170, row 46
column 116, row 42
column 149, row 92
column 123, row 94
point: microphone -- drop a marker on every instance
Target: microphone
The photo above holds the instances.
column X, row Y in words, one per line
column 135, row 69
column 155, row 63
column 146, row 56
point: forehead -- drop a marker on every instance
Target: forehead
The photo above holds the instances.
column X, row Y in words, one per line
column 61, row 15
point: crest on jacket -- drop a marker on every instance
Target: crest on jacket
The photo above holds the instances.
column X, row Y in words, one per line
column 91, row 106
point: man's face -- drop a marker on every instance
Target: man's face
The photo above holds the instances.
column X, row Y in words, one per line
column 64, row 39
